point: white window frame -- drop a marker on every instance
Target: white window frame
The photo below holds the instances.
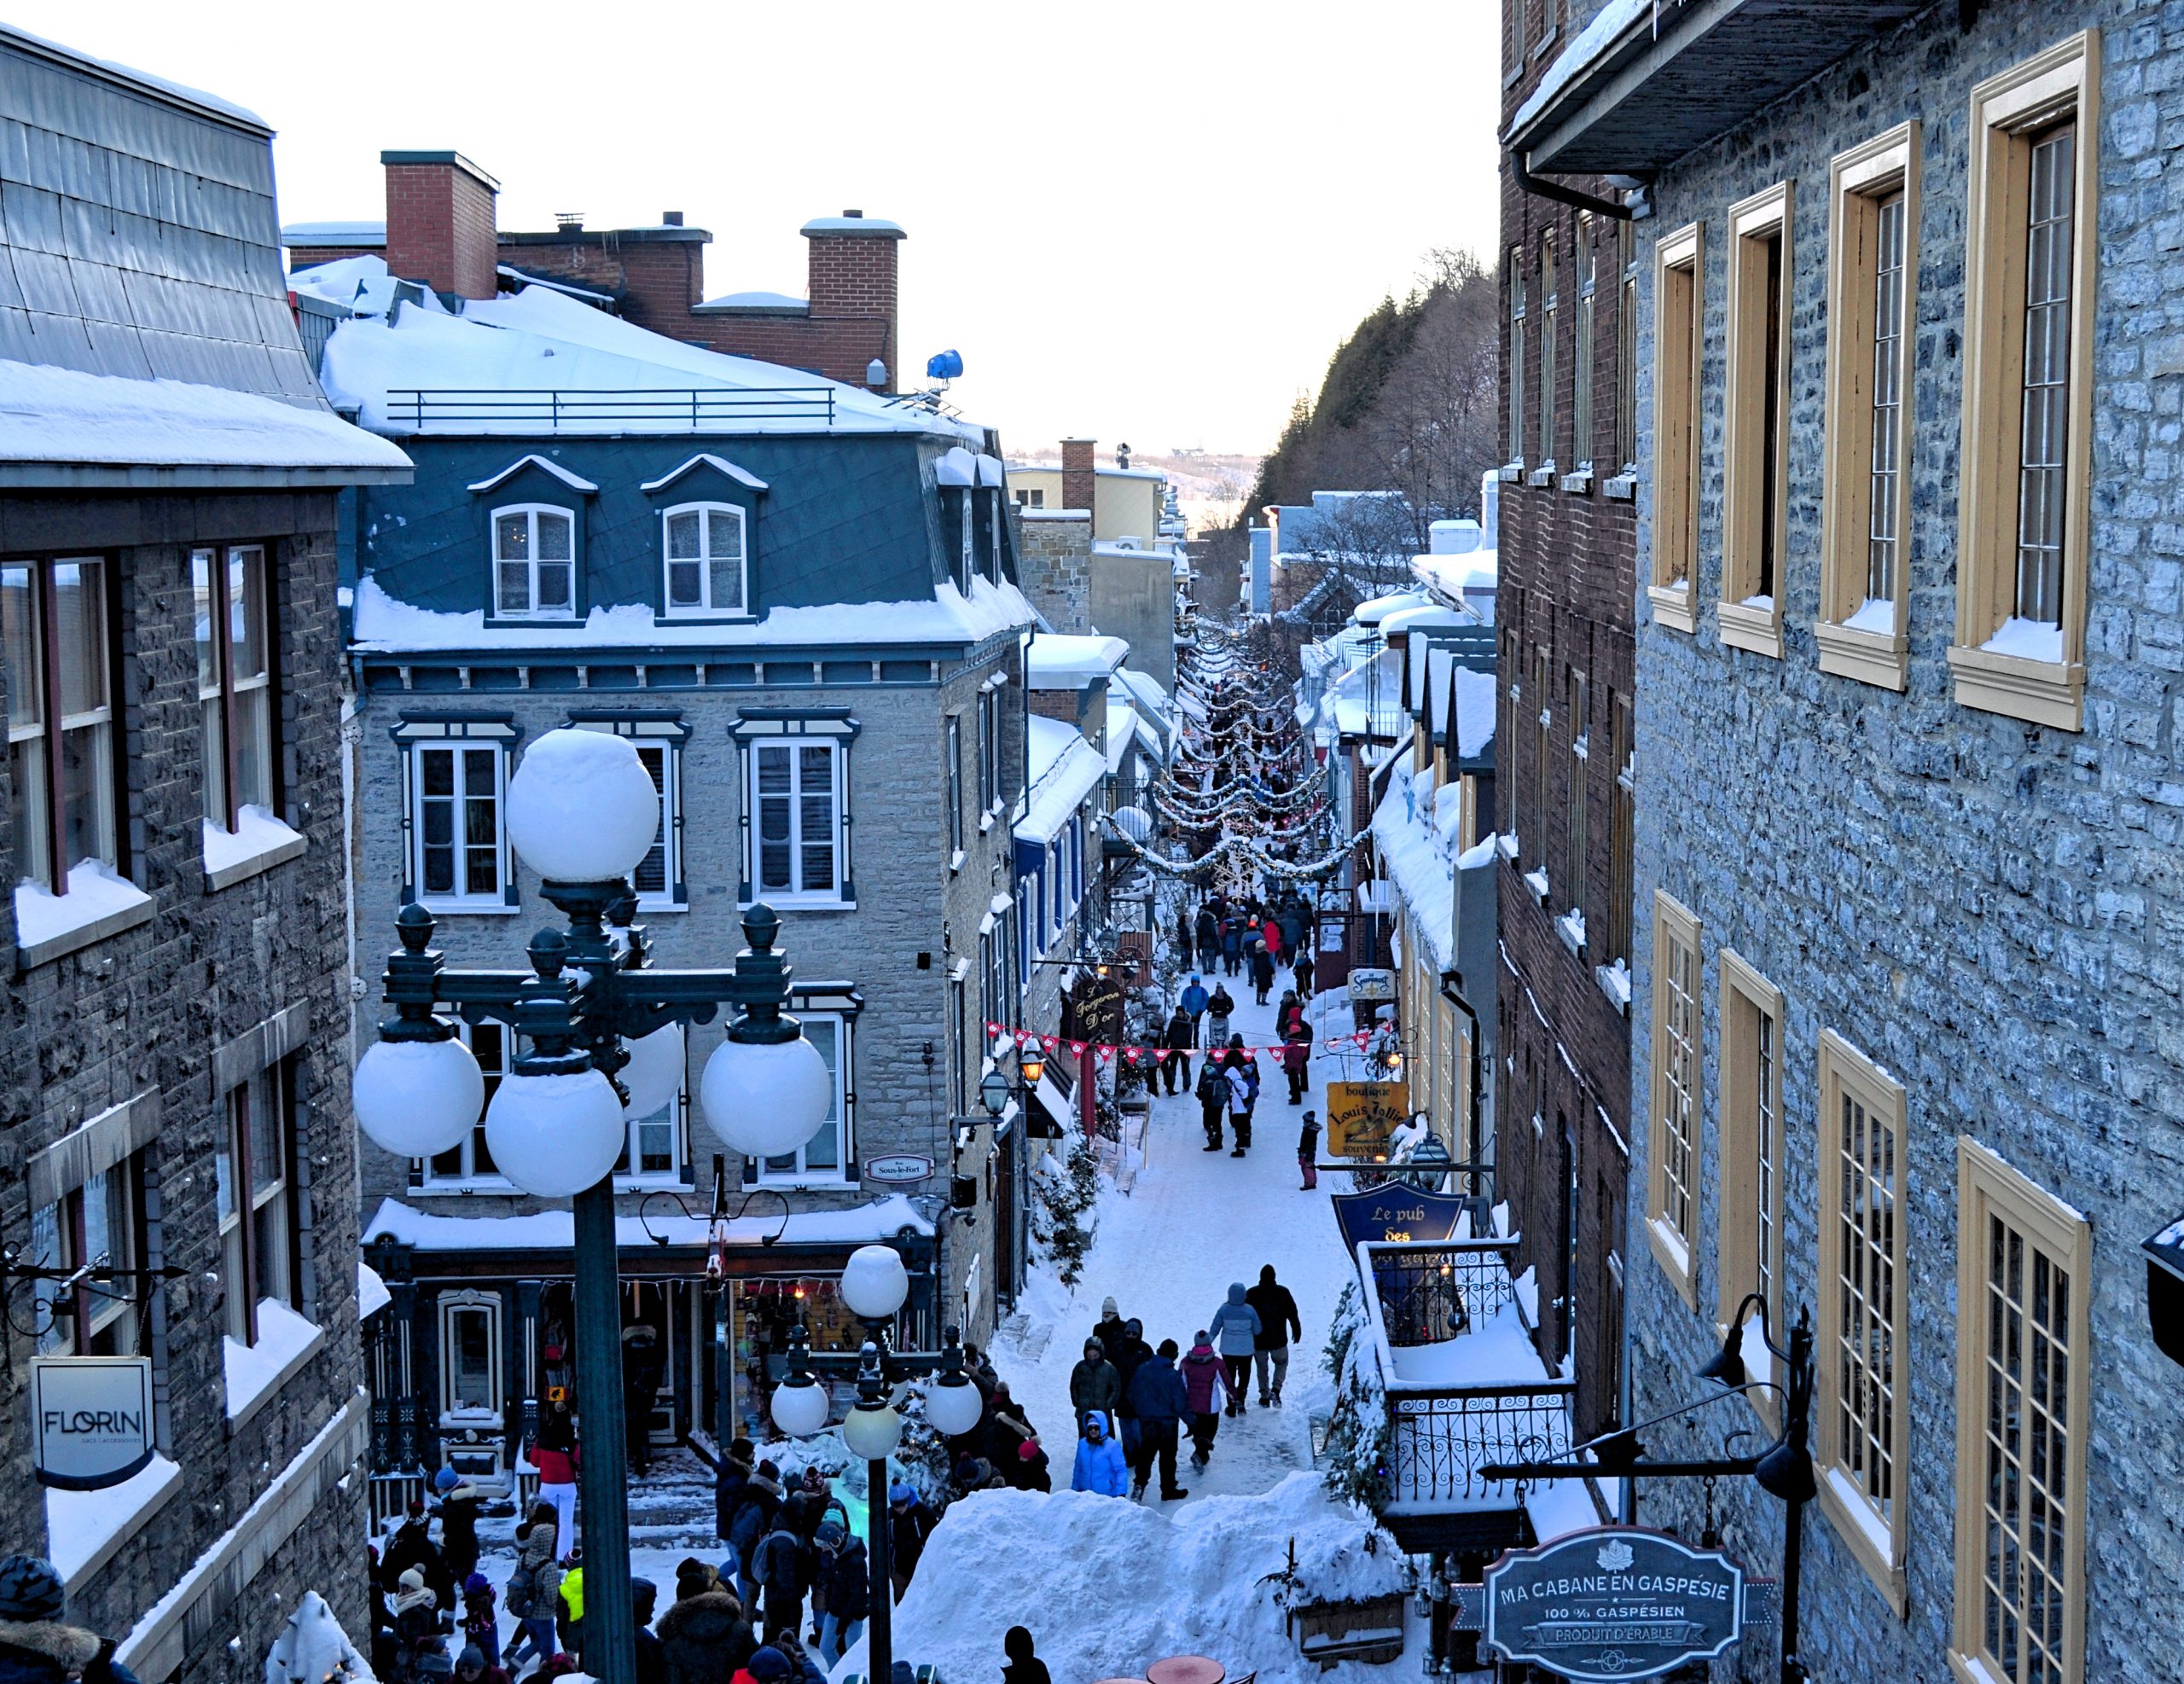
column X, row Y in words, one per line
column 61, row 1238
column 799, row 894
column 532, row 511
column 843, row 1173
column 469, row 1302
column 238, row 708
column 43, row 745
column 1678, row 1058
column 997, row 506
column 970, row 540
column 244, row 1281
column 463, row 899
column 706, row 608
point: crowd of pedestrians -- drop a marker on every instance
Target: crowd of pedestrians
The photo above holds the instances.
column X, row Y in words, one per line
column 1136, row 1402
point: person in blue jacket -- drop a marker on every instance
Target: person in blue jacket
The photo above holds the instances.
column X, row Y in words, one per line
column 1159, row 1400
column 1193, row 1001
column 1235, row 1330
column 1100, row 1464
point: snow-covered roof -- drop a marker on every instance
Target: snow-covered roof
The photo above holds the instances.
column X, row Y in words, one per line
column 1588, row 44
column 210, row 104
column 1459, row 575
column 556, row 1230
column 385, row 625
column 539, row 341
column 960, row 467
column 372, row 1295
column 575, row 482
column 1069, row 661
column 1426, row 616
column 851, row 226
column 1374, row 611
column 154, row 431
column 1064, row 770
column 553, row 283
column 1145, row 687
column 704, row 459
column 1368, row 700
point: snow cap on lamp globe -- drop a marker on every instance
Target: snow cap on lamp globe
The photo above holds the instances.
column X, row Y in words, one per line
column 417, row 1098
column 766, row 1099
column 556, row 1135
column 582, row 808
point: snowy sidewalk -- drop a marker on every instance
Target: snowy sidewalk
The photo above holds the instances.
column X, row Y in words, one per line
column 1193, row 1221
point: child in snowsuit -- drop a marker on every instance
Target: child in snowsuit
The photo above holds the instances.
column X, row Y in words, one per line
column 1204, row 1383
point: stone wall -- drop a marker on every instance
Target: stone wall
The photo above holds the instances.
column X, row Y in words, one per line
column 150, row 1009
column 1054, row 565
column 1990, row 910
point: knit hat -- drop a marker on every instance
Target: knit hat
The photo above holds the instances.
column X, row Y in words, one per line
column 768, row 1665
column 434, row 1663
column 477, row 1585
column 829, row 1536
column 1027, row 1450
column 1168, row 1349
column 416, row 1508
column 1107, row 1306
column 446, row 1480
column 692, row 1578
column 902, row 1491
column 413, row 1578
column 30, row 1588
column 472, row 1655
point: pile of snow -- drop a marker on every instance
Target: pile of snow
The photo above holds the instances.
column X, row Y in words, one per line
column 95, row 891
column 1139, row 1585
column 312, row 1648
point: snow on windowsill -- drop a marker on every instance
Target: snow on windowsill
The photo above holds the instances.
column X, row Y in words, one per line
column 259, row 842
column 1507, row 842
column 955, row 862
column 1478, row 854
column 256, row 1372
column 1875, row 613
column 1763, row 603
column 1615, row 983
column 1537, row 882
column 99, row 902
column 84, row 1529
column 2027, row 640
column 1624, row 487
column 1571, row 927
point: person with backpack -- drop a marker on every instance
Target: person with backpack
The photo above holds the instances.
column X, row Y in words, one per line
column 777, row 1567
column 533, row 1587
column 1301, row 968
column 1180, row 1036
column 844, row 1583
column 1193, row 1001
column 1157, row 1398
column 1307, row 1151
column 1242, row 1074
column 1232, row 947
column 1261, row 972
column 1212, row 1099
column 748, row 1526
column 1276, row 1309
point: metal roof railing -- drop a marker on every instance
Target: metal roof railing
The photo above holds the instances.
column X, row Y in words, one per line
column 697, row 409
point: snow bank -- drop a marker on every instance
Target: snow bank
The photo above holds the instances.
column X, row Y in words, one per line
column 1139, row 1585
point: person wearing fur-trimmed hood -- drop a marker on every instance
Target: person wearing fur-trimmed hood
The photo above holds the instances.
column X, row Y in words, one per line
column 35, row 1647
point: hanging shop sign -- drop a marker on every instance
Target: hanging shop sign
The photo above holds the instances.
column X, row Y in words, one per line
column 1099, row 1014
column 1371, row 984
column 1613, row 1603
column 91, row 1420
column 1393, row 1212
column 898, row 1168
column 1362, row 1116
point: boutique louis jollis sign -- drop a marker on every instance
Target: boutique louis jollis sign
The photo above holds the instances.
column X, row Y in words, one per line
column 1611, row 1603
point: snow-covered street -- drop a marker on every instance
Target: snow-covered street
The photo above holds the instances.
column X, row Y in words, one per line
column 1166, row 1250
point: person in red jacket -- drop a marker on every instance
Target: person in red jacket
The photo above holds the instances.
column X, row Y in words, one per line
column 1205, row 1385
column 556, row 1457
column 1297, row 1061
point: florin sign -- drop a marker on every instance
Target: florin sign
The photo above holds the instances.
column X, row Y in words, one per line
column 1612, row 1603
column 91, row 1420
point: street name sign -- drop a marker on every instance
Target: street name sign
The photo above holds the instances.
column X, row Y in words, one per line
column 91, row 1420
column 1612, row 1603
column 898, row 1167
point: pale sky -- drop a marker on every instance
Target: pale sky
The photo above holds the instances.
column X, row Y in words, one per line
column 1145, row 222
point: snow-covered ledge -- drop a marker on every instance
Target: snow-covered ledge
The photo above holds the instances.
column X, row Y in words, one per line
column 99, row 902
column 259, row 842
column 1615, row 983
column 1537, row 882
column 84, row 1529
column 256, row 1373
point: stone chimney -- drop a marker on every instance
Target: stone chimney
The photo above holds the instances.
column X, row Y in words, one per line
column 850, row 286
column 440, row 223
column 1079, row 477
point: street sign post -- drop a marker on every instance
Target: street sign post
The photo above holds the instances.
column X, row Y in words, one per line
column 898, row 1168
column 1613, row 1603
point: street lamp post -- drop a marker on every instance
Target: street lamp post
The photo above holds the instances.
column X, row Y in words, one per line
column 876, row 1286
column 583, row 813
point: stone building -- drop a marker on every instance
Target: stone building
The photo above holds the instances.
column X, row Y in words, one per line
column 176, row 1169
column 1905, row 900
column 1567, row 539
column 797, row 599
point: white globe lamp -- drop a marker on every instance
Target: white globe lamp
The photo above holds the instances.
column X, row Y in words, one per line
column 417, row 1098
column 953, row 1405
column 556, row 1135
column 800, row 1406
column 654, row 1075
column 872, row 1433
column 766, row 1099
column 875, row 1283
column 582, row 808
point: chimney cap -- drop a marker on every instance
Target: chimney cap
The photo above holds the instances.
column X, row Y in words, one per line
column 455, row 158
column 853, row 224
column 670, row 219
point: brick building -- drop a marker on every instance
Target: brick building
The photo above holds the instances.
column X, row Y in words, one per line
column 173, row 1049
column 1904, row 1052
column 798, row 599
column 1566, row 540
column 440, row 229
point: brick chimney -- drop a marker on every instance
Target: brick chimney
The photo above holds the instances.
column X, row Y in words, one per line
column 1079, row 477
column 440, row 223
column 850, row 286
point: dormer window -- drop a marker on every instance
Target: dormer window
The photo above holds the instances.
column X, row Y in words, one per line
column 704, row 555
column 970, row 568
column 534, row 562
column 993, row 536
